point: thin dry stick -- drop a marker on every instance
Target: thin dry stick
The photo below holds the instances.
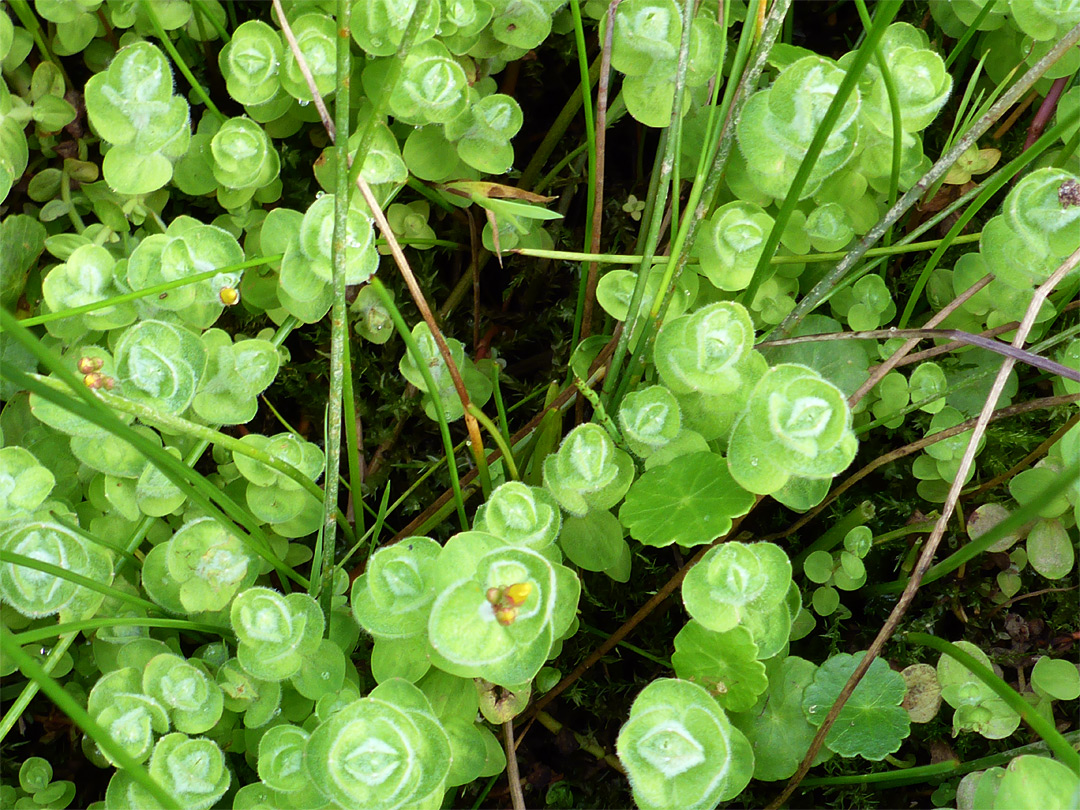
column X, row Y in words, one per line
column 602, row 89
column 305, row 71
column 512, row 767
column 1023, row 596
column 926, row 558
column 952, row 345
column 958, row 336
column 474, row 240
column 476, row 440
column 891, row 363
column 1027, row 460
column 916, row 446
column 945, row 348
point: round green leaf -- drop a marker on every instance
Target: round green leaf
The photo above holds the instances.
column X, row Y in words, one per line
column 1056, row 678
column 690, row 501
column 1049, row 549
column 593, row 542
column 872, row 723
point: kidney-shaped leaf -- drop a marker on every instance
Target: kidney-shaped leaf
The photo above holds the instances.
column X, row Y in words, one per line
column 872, row 723
column 689, row 501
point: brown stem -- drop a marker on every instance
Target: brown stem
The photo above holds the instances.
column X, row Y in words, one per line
column 1012, row 118
column 586, row 743
column 1031, row 595
column 477, row 442
column 512, row 774
column 1046, row 110
column 603, row 87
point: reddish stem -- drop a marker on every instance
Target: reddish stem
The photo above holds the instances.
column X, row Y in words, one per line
column 1046, row 109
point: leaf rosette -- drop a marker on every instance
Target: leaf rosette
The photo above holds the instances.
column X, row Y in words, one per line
column 1045, row 19
column 209, row 564
column 250, row 62
column 522, row 24
column 315, row 35
column 680, row 750
column 649, row 418
column 24, row 483
column 187, row 248
column 1036, row 230
column 281, row 759
column 131, row 717
column 646, row 32
column 521, row 515
column 499, row 609
column 192, row 698
column 476, row 383
column 733, row 581
column 731, row 243
column 616, row 289
column 829, row 227
column 244, row 157
column 921, row 81
column 276, row 633
column 236, row 373
column 797, row 424
column 382, row 752
column 274, row 497
column 131, row 106
column 778, row 123
column 307, row 267
column 384, row 168
column 378, row 25
column 483, row 135
column 160, row 364
column 193, row 771
column 37, row 593
column 87, row 277
column 392, row 598
column 433, row 88
column 707, row 351
column 588, row 471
